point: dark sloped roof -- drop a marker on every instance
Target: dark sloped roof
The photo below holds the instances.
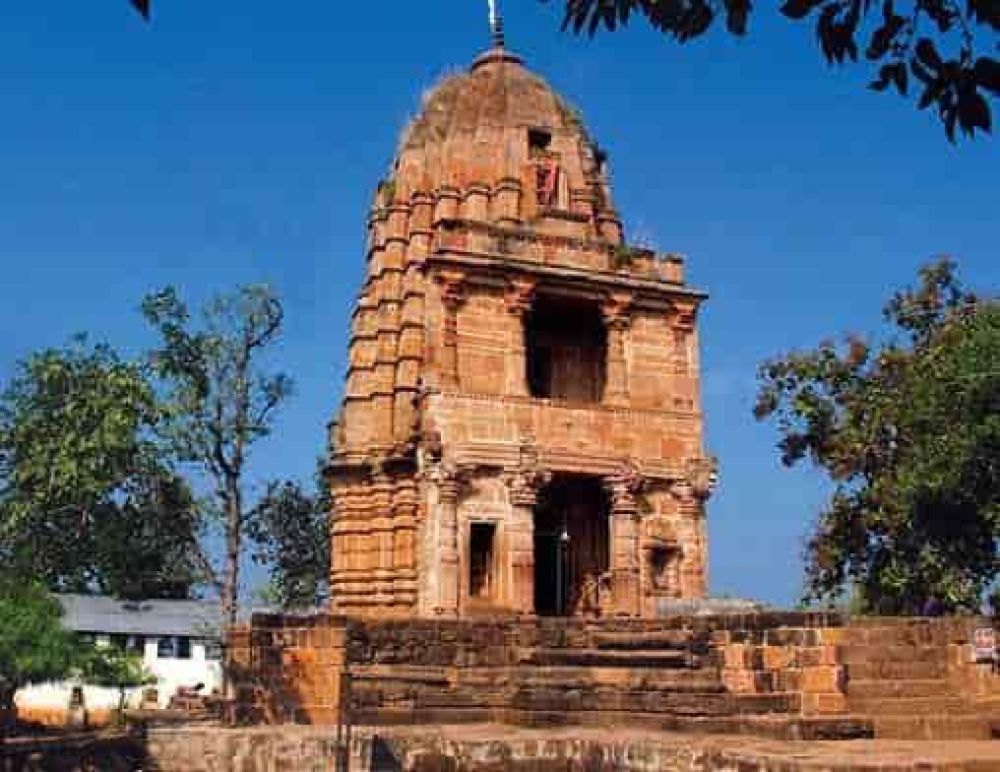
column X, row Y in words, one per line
column 103, row 614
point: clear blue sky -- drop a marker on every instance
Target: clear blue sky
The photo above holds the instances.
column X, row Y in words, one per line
column 240, row 142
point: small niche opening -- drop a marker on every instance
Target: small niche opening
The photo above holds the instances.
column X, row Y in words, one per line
column 539, row 141
column 482, row 537
column 566, row 344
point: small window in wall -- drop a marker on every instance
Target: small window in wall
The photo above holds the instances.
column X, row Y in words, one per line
column 166, row 647
column 213, row 651
column 481, row 579
column 136, row 644
column 173, row 647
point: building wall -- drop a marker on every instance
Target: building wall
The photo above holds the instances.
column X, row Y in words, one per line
column 48, row 703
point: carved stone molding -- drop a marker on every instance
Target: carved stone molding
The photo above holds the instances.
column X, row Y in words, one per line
column 519, row 294
column 624, row 485
column 683, row 315
column 617, row 309
column 454, row 290
column 526, row 479
column 701, row 475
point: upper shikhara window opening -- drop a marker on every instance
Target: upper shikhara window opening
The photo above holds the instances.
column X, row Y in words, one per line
column 539, row 141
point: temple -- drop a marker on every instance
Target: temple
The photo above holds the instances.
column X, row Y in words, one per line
column 521, row 429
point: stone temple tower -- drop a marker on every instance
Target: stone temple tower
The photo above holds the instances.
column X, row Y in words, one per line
column 521, row 431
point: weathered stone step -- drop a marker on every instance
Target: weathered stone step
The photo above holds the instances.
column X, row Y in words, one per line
column 680, row 679
column 773, row 726
column 583, row 700
column 933, row 728
column 653, row 701
column 623, row 659
column 913, row 687
column 646, row 641
column 903, row 653
column 908, row 635
column 871, row 671
column 911, row 706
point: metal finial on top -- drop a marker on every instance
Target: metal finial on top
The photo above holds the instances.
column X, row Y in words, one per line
column 496, row 25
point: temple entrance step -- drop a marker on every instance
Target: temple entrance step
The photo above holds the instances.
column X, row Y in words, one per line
column 615, row 658
column 659, row 640
column 898, row 653
column 674, row 679
column 896, row 671
column 912, row 687
column 935, row 727
column 911, row 706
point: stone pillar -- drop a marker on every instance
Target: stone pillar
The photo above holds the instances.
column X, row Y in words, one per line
column 624, row 485
column 523, row 485
column 617, row 312
column 517, row 297
column 448, row 486
column 691, row 491
column 682, row 325
column 452, row 298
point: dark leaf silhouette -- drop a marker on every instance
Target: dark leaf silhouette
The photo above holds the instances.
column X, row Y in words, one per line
column 899, row 37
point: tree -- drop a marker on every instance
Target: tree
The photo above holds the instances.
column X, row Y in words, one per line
column 909, row 432
column 34, row 647
column 290, row 530
column 87, row 499
column 934, row 45
column 112, row 667
column 219, row 401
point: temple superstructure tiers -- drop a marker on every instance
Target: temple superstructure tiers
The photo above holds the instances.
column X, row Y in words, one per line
column 521, row 430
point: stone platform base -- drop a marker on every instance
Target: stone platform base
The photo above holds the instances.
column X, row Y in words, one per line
column 778, row 675
column 492, row 748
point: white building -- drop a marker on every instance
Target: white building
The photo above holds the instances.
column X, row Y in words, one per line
column 179, row 641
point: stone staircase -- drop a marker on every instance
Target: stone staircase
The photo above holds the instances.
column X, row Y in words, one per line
column 577, row 673
column 899, row 679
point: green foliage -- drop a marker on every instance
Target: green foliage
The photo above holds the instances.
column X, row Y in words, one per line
column 34, row 647
column 622, row 257
column 929, row 44
column 290, row 530
column 87, row 498
column 114, row 668
column 218, row 401
column 909, row 432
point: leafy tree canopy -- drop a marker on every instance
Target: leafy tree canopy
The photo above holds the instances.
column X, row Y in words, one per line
column 34, row 647
column 87, row 499
column 909, row 432
column 114, row 668
column 219, row 400
column 290, row 531
column 934, row 48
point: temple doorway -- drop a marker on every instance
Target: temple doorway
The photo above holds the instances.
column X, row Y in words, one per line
column 572, row 555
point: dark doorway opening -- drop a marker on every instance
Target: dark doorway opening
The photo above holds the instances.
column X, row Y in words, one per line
column 481, row 551
column 566, row 344
column 572, row 554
